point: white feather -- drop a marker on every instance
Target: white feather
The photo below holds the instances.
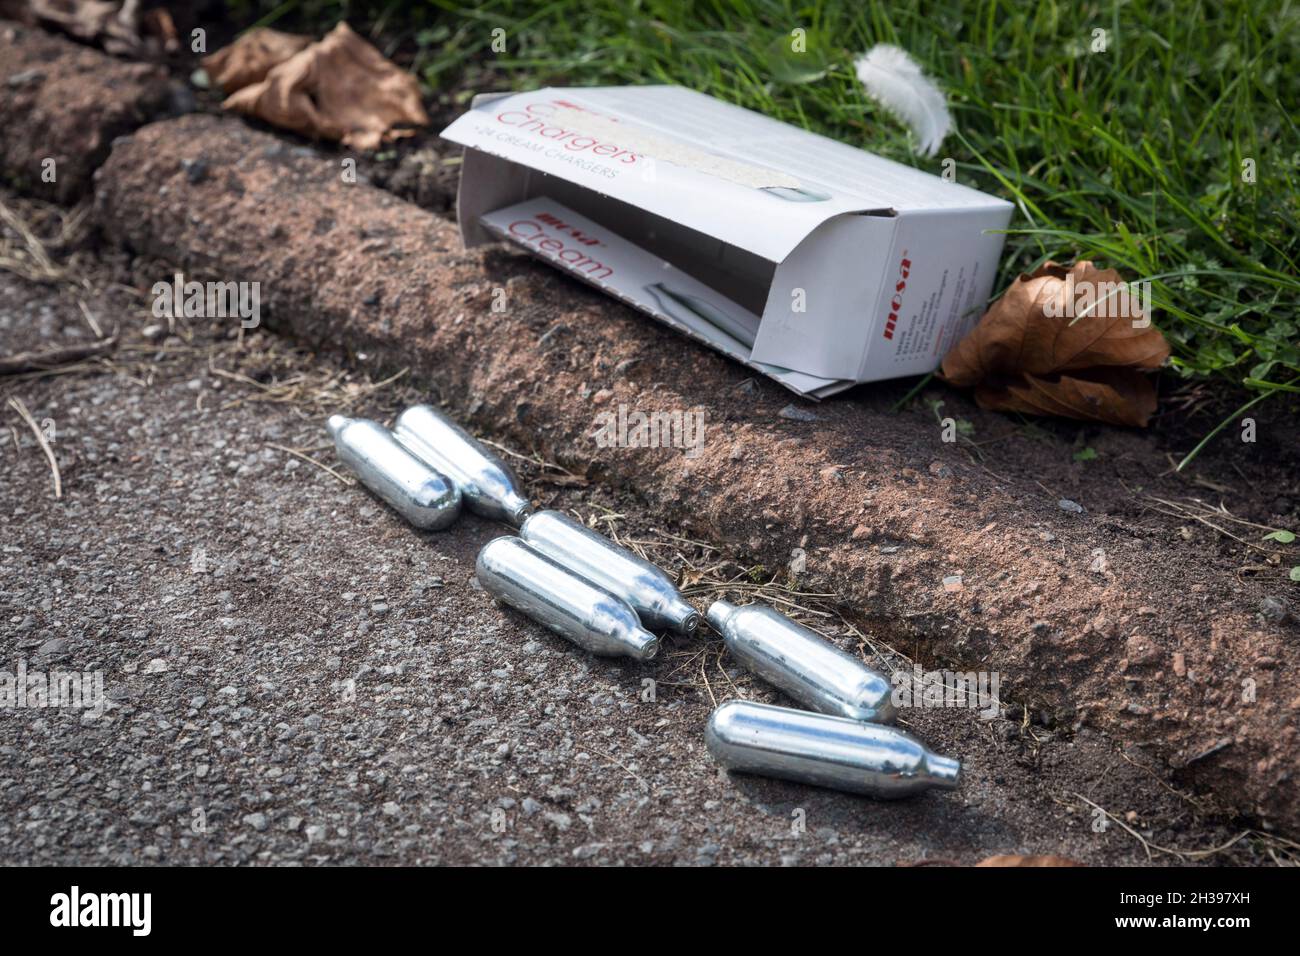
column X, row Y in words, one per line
column 895, row 81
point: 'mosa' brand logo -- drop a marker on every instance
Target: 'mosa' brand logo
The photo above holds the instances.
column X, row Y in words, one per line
column 896, row 302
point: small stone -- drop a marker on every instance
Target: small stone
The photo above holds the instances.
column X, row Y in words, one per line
column 1065, row 504
column 1180, row 664
column 257, row 821
column 952, row 583
column 196, row 170
column 796, row 414
column 1273, row 609
column 155, row 666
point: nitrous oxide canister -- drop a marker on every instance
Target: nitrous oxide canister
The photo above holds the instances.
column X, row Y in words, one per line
column 599, row 560
column 577, row 610
column 487, row 484
column 802, row 663
column 826, row 751
column 417, row 492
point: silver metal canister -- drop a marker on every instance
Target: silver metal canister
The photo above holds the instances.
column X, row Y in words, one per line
column 416, row 491
column 577, row 610
column 488, row 485
column 802, row 663
column 599, row 560
column 826, row 751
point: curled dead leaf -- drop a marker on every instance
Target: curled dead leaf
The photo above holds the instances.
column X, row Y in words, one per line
column 1072, row 342
column 118, row 26
column 1011, row 859
column 340, row 88
column 689, row 577
column 251, row 57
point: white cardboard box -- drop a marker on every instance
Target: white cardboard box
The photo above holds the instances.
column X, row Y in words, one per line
column 816, row 263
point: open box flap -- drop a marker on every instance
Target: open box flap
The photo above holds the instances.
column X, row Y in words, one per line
column 563, row 133
column 822, row 305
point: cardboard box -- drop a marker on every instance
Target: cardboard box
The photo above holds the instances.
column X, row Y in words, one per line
column 816, row 263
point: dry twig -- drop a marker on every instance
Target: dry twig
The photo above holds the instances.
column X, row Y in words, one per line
column 26, row 416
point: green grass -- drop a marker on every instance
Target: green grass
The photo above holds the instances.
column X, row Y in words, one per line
column 1132, row 157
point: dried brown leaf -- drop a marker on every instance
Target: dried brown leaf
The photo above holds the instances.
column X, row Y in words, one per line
column 251, row 57
column 1047, row 347
column 341, row 88
column 119, row 26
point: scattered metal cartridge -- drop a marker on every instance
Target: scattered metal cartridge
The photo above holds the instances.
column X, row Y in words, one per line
column 415, row 490
column 802, row 663
column 517, row 575
column 488, row 485
column 601, row 561
column 834, row 752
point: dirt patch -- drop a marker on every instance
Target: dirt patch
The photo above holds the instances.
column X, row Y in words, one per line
column 1098, row 612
